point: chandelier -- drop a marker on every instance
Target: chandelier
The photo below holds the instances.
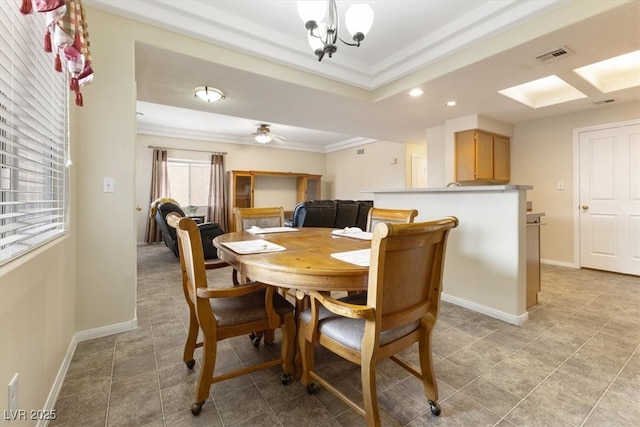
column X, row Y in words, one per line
column 323, row 36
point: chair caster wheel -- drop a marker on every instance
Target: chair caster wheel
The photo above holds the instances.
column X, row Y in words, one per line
column 312, row 388
column 196, row 408
column 286, row 379
column 435, row 408
column 190, row 364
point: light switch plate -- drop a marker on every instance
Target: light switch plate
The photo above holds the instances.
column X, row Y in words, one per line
column 108, row 184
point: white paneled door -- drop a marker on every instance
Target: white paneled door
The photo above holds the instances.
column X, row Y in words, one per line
column 609, row 173
column 418, row 171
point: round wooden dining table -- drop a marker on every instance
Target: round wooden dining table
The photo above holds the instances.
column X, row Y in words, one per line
column 305, row 263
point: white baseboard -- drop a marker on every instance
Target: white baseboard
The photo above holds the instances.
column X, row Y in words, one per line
column 90, row 334
column 491, row 312
column 559, row 263
column 106, row 330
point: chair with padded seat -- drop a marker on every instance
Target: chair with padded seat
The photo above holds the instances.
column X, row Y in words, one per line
column 263, row 217
column 400, row 308
column 221, row 313
column 395, row 216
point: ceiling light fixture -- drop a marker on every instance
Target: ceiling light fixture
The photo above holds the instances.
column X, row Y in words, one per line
column 416, row 92
column 208, row 94
column 451, row 103
column 262, row 138
column 324, row 36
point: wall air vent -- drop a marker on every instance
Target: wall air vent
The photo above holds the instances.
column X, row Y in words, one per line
column 606, row 101
column 562, row 52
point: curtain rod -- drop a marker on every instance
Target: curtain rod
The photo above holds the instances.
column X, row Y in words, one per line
column 186, row 149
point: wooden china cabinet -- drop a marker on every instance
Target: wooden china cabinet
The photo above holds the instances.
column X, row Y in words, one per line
column 242, row 186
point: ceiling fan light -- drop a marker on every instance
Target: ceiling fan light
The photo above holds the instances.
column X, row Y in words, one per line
column 262, row 138
column 359, row 19
column 312, row 10
column 208, row 94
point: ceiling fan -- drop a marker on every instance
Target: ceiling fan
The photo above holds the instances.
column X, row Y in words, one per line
column 263, row 135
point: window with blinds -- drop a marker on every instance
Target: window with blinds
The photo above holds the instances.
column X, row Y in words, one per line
column 33, row 136
column 189, row 182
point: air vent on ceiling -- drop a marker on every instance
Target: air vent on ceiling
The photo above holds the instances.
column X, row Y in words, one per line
column 603, row 102
column 562, row 52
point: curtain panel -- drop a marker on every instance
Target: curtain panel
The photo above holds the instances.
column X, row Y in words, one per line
column 159, row 190
column 217, row 211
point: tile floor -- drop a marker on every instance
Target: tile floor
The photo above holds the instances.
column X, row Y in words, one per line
column 576, row 362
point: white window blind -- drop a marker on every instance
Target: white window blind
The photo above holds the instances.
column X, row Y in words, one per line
column 189, row 182
column 33, row 135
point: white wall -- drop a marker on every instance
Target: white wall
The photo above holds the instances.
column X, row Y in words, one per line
column 348, row 173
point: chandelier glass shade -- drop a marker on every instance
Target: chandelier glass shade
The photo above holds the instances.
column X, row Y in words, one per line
column 208, row 94
column 323, row 36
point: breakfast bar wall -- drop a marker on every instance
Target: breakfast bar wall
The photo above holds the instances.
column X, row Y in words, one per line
column 485, row 269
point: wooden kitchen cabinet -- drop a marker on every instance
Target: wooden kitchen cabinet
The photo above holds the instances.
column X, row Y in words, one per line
column 482, row 157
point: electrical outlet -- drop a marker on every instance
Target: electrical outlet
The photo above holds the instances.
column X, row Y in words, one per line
column 13, row 394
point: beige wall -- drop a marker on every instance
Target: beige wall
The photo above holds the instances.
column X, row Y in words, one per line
column 348, row 173
column 37, row 321
column 542, row 155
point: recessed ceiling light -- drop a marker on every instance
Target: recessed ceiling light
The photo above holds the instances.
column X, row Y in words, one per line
column 451, row 103
column 543, row 92
column 208, row 94
column 416, row 91
column 621, row 72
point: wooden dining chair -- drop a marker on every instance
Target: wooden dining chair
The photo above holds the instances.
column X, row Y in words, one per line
column 222, row 313
column 395, row 216
column 399, row 309
column 263, row 217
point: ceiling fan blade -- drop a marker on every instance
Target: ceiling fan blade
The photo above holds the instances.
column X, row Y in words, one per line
column 278, row 139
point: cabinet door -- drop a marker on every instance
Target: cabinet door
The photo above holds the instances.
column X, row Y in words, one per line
column 465, row 156
column 501, row 170
column 243, row 191
column 484, row 156
column 313, row 188
column 308, row 188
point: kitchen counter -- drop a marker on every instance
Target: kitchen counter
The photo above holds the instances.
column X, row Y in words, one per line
column 455, row 189
column 485, row 266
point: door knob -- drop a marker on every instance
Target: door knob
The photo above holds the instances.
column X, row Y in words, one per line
column 585, row 207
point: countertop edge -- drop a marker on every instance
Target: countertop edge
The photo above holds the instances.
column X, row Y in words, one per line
column 462, row 189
